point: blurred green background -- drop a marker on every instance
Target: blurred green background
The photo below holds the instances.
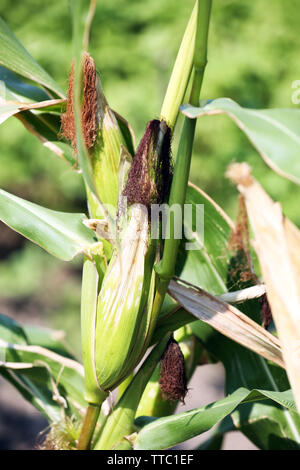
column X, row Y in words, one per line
column 254, row 48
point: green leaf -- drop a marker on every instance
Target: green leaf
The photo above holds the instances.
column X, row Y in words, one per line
column 273, row 132
column 15, row 57
column 39, row 397
column 270, row 422
column 61, row 234
column 20, row 90
column 11, row 331
column 52, row 382
column 215, row 440
column 43, row 121
column 47, row 338
column 206, row 265
column 46, row 128
column 268, row 426
column 264, row 423
column 166, row 432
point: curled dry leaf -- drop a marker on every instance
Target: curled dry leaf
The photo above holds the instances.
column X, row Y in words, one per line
column 277, row 243
column 228, row 320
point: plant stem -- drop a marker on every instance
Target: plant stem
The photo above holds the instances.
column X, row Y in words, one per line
column 166, row 267
column 200, row 54
column 88, row 427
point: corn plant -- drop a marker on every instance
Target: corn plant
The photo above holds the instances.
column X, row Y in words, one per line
column 156, row 304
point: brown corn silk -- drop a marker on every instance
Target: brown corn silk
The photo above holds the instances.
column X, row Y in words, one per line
column 89, row 106
column 149, row 176
column 173, row 378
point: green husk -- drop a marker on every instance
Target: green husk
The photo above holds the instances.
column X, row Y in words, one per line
column 121, row 303
column 181, row 73
column 90, row 279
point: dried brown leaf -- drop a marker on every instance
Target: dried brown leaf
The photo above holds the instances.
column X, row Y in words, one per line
column 277, row 243
column 228, row 320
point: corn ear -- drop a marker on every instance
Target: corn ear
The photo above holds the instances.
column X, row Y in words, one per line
column 105, row 155
column 124, row 322
column 102, row 135
column 120, row 305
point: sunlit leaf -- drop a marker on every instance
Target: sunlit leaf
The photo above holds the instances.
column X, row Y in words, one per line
column 166, row 432
column 51, row 382
column 273, row 132
column 15, row 57
column 13, row 85
column 46, row 128
column 61, row 234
